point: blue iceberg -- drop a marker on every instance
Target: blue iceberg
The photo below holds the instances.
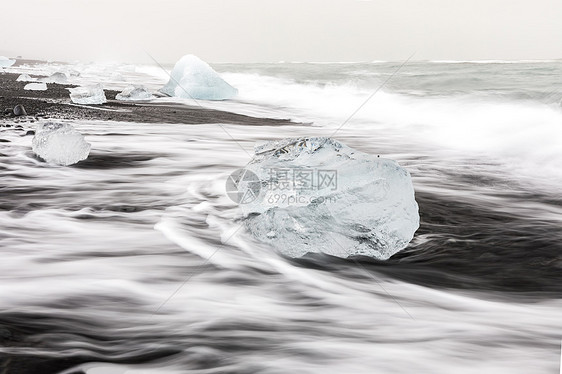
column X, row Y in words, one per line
column 193, row 78
column 5, row 62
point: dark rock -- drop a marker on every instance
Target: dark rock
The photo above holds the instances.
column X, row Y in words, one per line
column 4, row 141
column 30, row 132
column 19, row 110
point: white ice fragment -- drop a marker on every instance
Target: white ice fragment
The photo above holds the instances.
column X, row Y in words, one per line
column 319, row 195
column 57, row 77
column 25, row 78
column 5, row 62
column 35, row 87
column 60, row 143
column 193, row 78
column 132, row 93
column 88, row 95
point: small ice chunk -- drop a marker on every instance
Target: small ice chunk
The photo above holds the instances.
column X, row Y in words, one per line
column 57, row 77
column 35, row 87
column 88, row 94
column 319, row 195
column 5, row 62
column 193, row 78
column 132, row 93
column 60, row 143
column 25, row 78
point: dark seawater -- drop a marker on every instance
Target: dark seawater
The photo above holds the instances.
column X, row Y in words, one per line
column 136, row 261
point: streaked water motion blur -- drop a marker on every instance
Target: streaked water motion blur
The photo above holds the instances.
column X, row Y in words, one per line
column 135, row 260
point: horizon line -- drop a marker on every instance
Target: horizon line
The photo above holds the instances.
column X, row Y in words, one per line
column 436, row 61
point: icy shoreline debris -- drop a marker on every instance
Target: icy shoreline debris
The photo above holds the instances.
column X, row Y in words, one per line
column 88, row 95
column 57, row 77
column 133, row 93
column 25, row 78
column 35, row 87
column 60, row 143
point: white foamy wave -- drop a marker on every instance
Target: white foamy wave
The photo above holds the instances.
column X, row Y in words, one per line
column 524, row 134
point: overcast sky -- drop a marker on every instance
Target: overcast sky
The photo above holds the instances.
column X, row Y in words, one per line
column 288, row 30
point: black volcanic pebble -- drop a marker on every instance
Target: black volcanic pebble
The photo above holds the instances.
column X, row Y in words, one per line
column 19, row 110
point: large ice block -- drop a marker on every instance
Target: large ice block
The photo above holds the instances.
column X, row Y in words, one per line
column 318, row 195
column 193, row 78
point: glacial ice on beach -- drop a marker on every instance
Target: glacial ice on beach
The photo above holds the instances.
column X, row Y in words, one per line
column 133, row 93
column 193, row 78
column 5, row 62
column 57, row 77
column 88, row 95
column 318, row 195
column 35, row 87
column 25, row 78
column 60, row 143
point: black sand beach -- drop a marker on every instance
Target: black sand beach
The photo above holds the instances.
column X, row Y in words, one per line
column 54, row 103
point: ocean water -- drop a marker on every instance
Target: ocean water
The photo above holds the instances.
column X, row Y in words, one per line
column 135, row 260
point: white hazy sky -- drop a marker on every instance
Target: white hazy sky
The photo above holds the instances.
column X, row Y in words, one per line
column 288, row 30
